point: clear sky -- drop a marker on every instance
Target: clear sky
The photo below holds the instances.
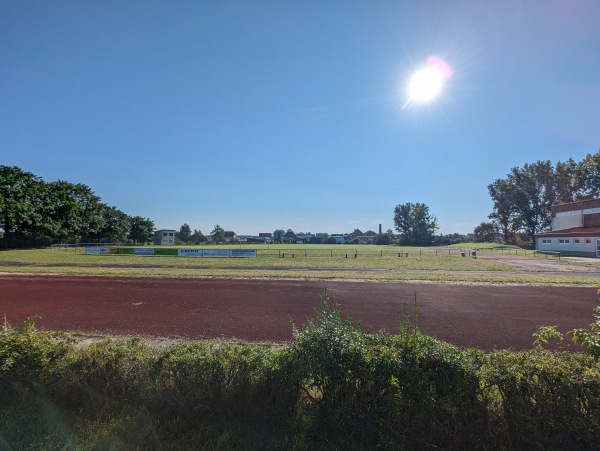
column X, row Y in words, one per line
column 261, row 115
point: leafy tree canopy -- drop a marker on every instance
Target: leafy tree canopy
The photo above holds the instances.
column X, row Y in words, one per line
column 522, row 199
column 142, row 230
column 485, row 232
column 218, row 234
column 185, row 233
column 415, row 224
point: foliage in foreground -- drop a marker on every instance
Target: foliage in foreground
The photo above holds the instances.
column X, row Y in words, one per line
column 334, row 386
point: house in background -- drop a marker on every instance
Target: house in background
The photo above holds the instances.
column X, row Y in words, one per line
column 575, row 230
column 289, row 237
column 266, row 237
column 230, row 236
column 164, row 237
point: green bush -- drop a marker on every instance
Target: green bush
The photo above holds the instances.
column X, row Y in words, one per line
column 590, row 338
column 28, row 357
column 334, row 386
column 406, row 387
column 541, row 397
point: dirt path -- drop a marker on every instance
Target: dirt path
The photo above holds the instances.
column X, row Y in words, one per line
column 553, row 265
column 480, row 316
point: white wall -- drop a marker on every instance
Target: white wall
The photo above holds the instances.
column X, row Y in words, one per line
column 556, row 246
column 567, row 222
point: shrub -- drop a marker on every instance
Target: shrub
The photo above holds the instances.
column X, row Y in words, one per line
column 541, row 397
column 334, row 386
column 28, row 357
column 372, row 386
column 590, row 338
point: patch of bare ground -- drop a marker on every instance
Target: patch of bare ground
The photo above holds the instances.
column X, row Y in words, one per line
column 551, row 264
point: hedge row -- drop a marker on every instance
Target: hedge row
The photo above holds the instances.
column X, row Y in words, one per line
column 333, row 386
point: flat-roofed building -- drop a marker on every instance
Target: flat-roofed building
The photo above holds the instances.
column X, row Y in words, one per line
column 575, row 230
column 164, row 237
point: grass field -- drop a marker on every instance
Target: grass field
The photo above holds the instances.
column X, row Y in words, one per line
column 377, row 263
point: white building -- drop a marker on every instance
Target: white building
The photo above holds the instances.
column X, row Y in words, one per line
column 164, row 237
column 575, row 230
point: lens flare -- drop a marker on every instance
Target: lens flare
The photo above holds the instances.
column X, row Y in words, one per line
column 427, row 82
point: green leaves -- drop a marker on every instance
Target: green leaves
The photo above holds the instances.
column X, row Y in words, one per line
column 142, row 230
column 31, row 209
column 415, row 224
column 590, row 338
column 522, row 200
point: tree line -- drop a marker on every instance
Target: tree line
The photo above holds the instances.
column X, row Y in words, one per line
column 35, row 213
column 523, row 198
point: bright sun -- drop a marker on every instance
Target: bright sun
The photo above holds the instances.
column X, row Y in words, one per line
column 426, row 83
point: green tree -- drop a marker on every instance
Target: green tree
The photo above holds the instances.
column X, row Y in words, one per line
column 117, row 226
column 218, row 234
column 588, row 174
column 21, row 199
column 504, row 215
column 185, row 233
column 523, row 199
column 568, row 185
column 197, row 237
column 142, row 230
column 416, row 225
column 485, row 232
column 535, row 186
column 278, row 235
column 385, row 238
column 73, row 211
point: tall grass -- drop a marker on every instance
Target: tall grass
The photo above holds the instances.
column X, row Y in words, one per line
column 334, row 386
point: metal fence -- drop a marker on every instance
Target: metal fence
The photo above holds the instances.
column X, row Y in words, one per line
column 345, row 252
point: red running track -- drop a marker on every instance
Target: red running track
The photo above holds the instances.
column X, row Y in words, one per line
column 482, row 316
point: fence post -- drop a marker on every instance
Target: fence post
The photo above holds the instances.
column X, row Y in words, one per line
column 332, row 252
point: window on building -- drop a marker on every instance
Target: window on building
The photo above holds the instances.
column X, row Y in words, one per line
column 566, row 241
column 576, row 241
column 546, row 241
column 170, row 233
column 588, row 241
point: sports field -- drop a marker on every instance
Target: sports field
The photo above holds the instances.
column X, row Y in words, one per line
column 496, row 300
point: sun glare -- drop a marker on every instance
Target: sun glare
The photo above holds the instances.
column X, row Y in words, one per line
column 427, row 82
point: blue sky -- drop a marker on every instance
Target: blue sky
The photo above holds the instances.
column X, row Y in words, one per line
column 260, row 115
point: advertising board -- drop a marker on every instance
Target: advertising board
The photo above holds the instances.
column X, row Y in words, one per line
column 143, row 251
column 96, row 250
column 189, row 252
column 243, row 252
column 216, row 253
